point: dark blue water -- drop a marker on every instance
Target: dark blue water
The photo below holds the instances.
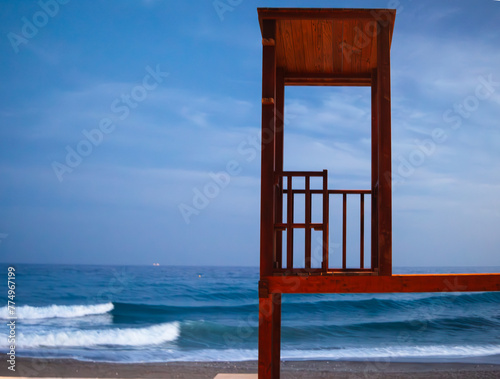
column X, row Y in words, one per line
column 138, row 314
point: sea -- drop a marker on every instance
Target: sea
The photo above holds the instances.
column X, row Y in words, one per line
column 164, row 314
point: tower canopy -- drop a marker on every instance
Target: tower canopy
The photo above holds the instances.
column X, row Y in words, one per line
column 327, row 46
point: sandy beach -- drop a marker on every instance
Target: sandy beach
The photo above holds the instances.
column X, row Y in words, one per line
column 208, row 370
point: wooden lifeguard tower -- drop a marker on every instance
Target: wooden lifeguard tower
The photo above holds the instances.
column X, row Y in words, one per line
column 328, row 47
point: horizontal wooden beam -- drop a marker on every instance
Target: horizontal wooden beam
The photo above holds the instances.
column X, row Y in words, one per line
column 334, row 192
column 305, row 79
column 382, row 284
column 326, row 13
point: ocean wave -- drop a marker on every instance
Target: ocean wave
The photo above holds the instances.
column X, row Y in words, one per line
column 394, row 302
column 337, row 303
column 139, row 311
column 147, row 336
column 28, row 312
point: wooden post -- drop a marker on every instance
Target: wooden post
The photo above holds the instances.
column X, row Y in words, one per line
column 384, row 196
column 270, row 329
column 265, row 368
column 276, row 354
column 268, row 140
column 278, row 159
column 267, row 206
column 375, row 175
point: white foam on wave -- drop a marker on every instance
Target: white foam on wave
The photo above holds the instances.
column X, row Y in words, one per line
column 432, row 351
column 28, row 312
column 389, row 352
column 152, row 335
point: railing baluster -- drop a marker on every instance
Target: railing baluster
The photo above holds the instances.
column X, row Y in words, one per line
column 289, row 227
column 279, row 220
column 344, row 232
column 308, row 223
column 362, row 231
column 326, row 207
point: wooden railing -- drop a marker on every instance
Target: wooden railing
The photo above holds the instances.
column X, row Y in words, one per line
column 286, row 223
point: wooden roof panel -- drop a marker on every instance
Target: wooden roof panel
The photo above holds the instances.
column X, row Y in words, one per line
column 320, row 42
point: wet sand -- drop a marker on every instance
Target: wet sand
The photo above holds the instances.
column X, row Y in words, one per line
column 208, row 370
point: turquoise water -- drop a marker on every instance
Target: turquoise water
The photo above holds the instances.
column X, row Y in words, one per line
column 145, row 314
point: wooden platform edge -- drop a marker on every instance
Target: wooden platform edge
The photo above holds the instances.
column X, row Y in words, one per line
column 383, row 284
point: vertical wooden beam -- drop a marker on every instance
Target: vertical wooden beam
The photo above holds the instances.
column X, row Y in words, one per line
column 276, row 354
column 384, row 200
column 265, row 368
column 267, row 208
column 269, row 333
column 267, row 204
column 278, row 159
column 374, row 186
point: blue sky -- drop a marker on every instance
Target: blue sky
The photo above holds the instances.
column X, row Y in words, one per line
column 169, row 92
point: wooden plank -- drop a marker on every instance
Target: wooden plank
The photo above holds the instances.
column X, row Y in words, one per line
column 384, row 195
column 351, row 54
column 325, row 13
column 308, row 79
column 298, row 54
column 298, row 225
column 317, row 45
column 337, row 39
column 280, row 45
column 326, row 33
column 359, row 41
column 370, row 51
column 349, row 192
column 321, row 272
column 365, row 63
column 332, row 192
column 304, row 173
column 384, row 284
column 308, row 46
column 286, row 39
